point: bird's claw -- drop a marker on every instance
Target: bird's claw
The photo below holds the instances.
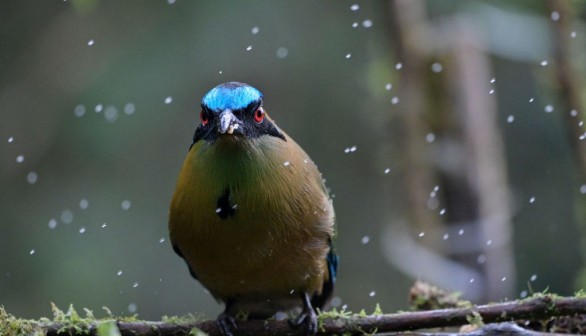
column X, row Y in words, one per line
column 226, row 323
column 308, row 319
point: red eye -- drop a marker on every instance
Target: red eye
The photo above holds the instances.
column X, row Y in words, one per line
column 204, row 118
column 259, row 115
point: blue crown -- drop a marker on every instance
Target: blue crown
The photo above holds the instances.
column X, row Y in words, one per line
column 231, row 95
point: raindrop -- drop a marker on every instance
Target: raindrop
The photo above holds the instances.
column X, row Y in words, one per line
column 168, row 100
column 532, row 200
column 471, row 280
column 421, row 234
column 544, row 63
column 510, row 119
column 134, row 285
column 31, row 177
column 350, row 149
column 504, row 279
column 67, row 216
column 531, row 100
column 162, row 240
column 348, row 55
column 79, row 110
column 249, row 48
column 548, row 108
column 491, row 91
column 583, row 189
column 220, row 72
column 354, row 7
column 10, row 140
column 395, row 100
column 354, row 24
column 398, row 66
column 52, row 223
column 372, row 294
column 442, row 212
column 132, row 307
column 367, row 23
column 129, row 108
column 32, row 252
column 365, row 239
column 481, row 259
column 489, row 242
column 446, row 236
column 98, row 108
column 282, row 52
column 492, row 80
column 460, row 232
column 387, row 170
column 286, row 163
column 82, row 230
column 20, row 158
column 218, row 210
column 437, row 67
column 388, row 86
column 433, row 194
column 430, row 137
column 119, row 273
column 573, row 34
column 336, row 301
column 523, row 294
column 281, row 316
column 83, row 204
column 533, row 277
column 574, row 113
column 170, row 2
column 125, row 205
column 104, row 225
column 555, row 15
column 90, row 42
column 255, row 30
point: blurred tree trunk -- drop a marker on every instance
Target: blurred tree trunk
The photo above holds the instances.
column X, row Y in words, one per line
column 407, row 15
column 485, row 165
column 456, row 181
column 569, row 80
column 570, row 86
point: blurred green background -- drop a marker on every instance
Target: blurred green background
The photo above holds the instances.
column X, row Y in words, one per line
column 99, row 101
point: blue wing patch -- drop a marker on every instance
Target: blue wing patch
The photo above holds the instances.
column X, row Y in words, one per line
column 319, row 301
column 333, row 259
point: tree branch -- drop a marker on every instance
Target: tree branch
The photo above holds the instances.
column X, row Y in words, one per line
column 536, row 308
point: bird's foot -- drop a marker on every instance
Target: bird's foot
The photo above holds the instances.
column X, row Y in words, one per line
column 308, row 319
column 226, row 323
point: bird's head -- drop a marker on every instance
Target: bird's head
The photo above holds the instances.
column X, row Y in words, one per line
column 234, row 110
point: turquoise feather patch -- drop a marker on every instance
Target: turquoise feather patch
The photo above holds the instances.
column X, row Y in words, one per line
column 232, row 95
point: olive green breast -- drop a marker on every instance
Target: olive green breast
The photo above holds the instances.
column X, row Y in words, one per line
column 252, row 218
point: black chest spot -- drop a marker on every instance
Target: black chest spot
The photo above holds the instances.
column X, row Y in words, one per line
column 225, row 206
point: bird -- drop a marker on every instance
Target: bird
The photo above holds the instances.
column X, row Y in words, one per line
column 251, row 215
